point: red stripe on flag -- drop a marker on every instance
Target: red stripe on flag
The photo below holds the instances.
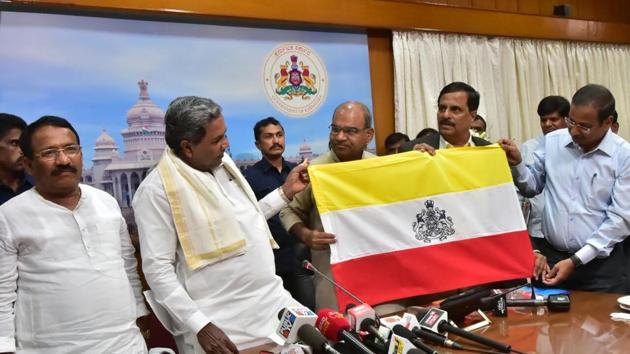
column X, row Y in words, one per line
column 433, row 269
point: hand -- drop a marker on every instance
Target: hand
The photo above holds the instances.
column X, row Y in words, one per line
column 559, row 273
column 317, row 240
column 511, row 151
column 214, row 341
column 541, row 268
column 296, row 181
column 425, row 148
column 143, row 325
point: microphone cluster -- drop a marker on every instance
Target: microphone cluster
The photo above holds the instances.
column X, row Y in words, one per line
column 364, row 333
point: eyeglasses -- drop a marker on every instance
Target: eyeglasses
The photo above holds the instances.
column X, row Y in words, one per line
column 571, row 123
column 350, row 131
column 53, row 153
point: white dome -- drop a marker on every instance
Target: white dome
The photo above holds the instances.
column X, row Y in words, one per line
column 105, row 140
column 144, row 113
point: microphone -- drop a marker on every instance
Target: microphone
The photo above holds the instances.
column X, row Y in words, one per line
column 460, row 305
column 292, row 319
column 334, row 327
column 400, row 330
column 311, row 337
column 369, row 325
column 309, row 266
column 436, row 338
column 436, row 320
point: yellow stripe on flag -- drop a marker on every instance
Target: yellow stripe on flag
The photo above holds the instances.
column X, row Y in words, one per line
column 402, row 177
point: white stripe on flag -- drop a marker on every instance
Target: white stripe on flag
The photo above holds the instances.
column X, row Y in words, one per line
column 389, row 227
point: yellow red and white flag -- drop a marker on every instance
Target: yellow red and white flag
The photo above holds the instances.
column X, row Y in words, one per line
column 412, row 224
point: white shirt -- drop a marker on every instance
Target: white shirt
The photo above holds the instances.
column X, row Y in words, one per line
column 72, row 276
column 240, row 295
column 537, row 203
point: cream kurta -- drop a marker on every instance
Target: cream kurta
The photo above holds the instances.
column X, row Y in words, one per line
column 240, row 295
column 71, row 274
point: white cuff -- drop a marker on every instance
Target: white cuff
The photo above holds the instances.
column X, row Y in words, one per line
column 197, row 321
column 7, row 344
column 586, row 254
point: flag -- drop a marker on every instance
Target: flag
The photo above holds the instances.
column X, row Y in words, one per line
column 412, row 224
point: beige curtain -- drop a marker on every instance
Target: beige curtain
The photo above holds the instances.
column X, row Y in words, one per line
column 512, row 75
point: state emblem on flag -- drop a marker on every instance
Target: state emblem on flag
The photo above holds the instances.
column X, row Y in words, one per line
column 432, row 223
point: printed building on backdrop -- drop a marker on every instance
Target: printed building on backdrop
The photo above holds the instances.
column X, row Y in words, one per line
column 144, row 143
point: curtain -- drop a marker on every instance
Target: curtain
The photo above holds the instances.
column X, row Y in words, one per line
column 512, row 76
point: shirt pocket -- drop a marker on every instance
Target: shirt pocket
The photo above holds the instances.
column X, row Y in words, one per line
column 600, row 192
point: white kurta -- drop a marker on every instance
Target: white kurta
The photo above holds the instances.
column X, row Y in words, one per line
column 240, row 295
column 72, row 276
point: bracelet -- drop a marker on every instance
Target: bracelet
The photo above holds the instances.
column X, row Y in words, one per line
column 537, row 252
column 283, row 196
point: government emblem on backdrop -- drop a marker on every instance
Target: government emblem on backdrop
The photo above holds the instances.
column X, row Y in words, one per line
column 432, row 223
column 295, row 79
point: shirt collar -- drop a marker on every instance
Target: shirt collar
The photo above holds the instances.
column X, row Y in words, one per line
column 266, row 166
column 607, row 145
column 446, row 145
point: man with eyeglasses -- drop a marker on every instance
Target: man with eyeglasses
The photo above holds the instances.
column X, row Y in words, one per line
column 350, row 133
column 552, row 110
column 585, row 172
column 68, row 280
column 457, row 108
column 13, row 180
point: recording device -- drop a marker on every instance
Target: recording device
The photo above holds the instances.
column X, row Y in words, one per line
column 555, row 302
column 291, row 320
column 401, row 331
column 436, row 320
column 335, row 327
column 311, row 337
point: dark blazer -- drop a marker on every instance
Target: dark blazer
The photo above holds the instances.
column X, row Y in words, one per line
column 434, row 140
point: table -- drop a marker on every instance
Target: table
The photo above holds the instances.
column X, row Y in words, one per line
column 586, row 328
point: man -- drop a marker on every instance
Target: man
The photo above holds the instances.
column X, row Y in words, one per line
column 552, row 110
column 350, row 133
column 457, row 108
column 206, row 247
column 479, row 127
column 12, row 178
column 585, row 171
column 393, row 142
column 264, row 177
column 68, row 281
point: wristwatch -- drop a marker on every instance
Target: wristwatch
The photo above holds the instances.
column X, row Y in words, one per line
column 576, row 261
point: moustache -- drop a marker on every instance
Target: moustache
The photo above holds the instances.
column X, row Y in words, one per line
column 447, row 122
column 61, row 169
column 276, row 146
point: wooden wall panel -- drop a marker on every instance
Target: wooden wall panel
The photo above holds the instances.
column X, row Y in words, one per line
column 607, row 11
column 382, row 76
column 485, row 4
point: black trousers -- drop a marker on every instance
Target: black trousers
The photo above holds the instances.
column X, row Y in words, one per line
column 601, row 274
column 299, row 281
